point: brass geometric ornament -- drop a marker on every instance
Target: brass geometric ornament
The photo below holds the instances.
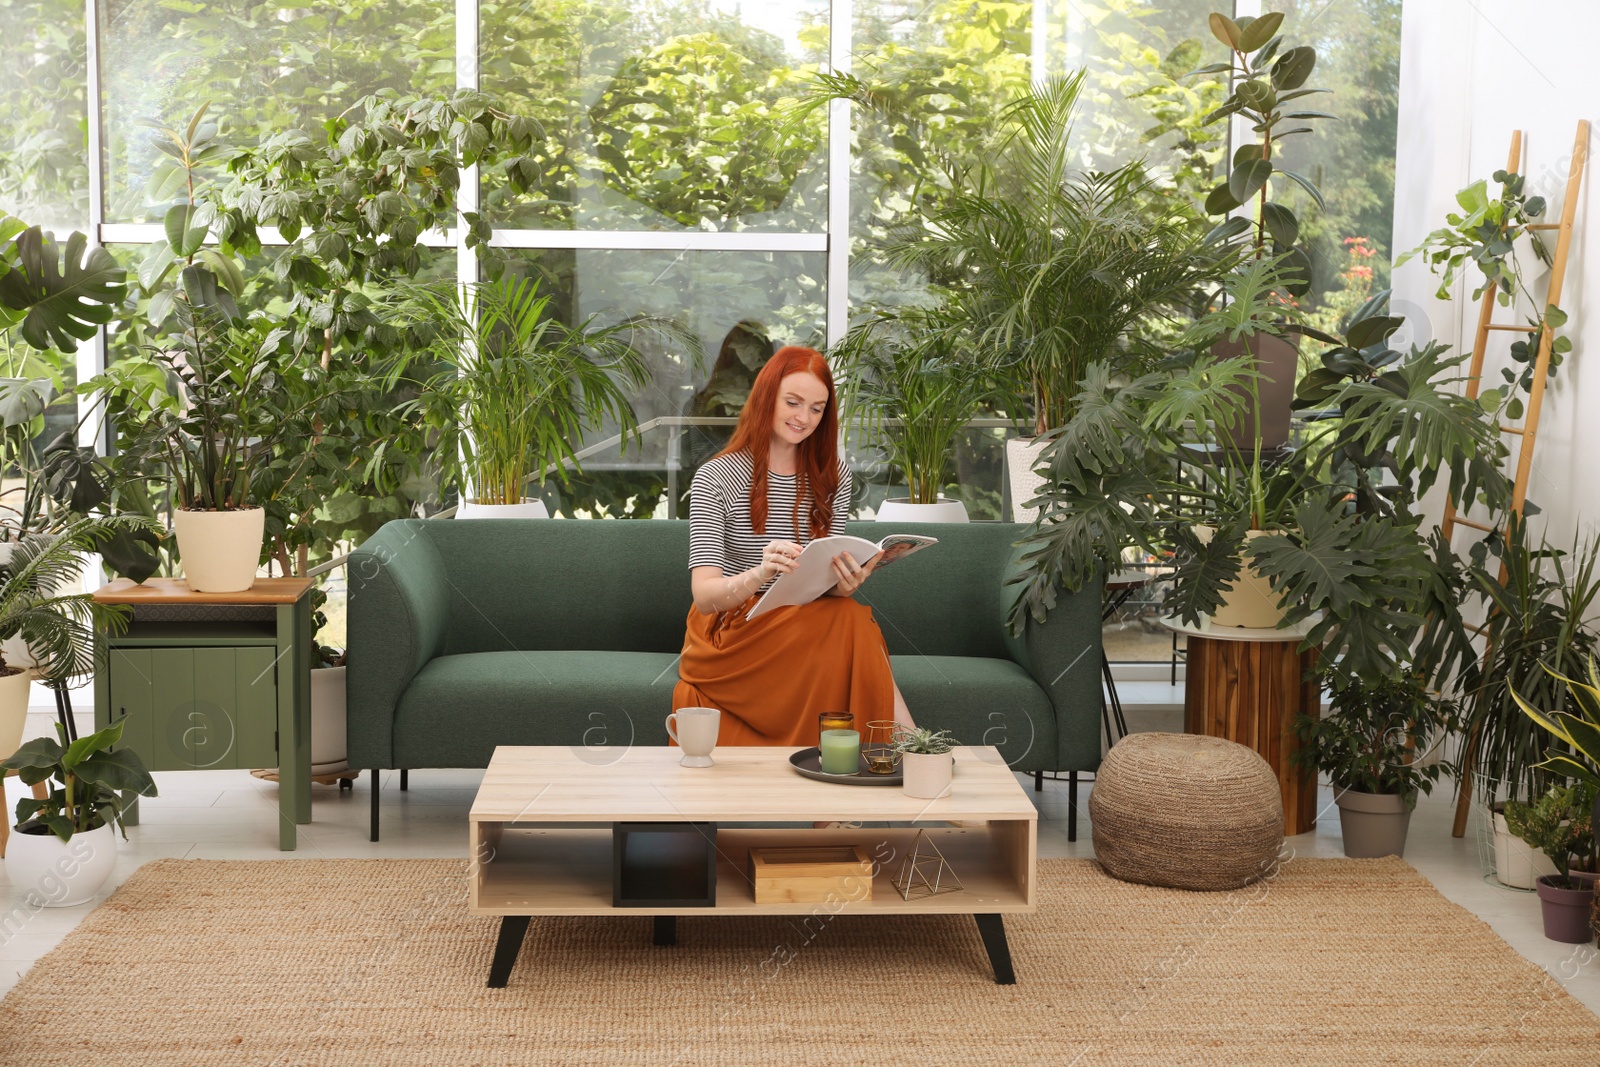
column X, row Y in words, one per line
column 925, row 872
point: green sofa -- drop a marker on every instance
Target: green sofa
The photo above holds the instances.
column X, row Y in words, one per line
column 468, row 635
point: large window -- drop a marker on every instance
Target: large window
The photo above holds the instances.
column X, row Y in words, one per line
column 672, row 176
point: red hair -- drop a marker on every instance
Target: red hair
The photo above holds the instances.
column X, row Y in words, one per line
column 819, row 453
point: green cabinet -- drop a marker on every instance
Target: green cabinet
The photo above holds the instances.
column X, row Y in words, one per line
column 196, row 708
column 213, row 680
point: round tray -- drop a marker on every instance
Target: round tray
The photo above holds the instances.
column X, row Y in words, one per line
column 808, row 761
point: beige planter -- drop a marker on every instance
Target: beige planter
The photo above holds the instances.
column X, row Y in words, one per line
column 1022, row 453
column 221, row 550
column 13, row 712
column 926, row 775
column 905, row 511
column 528, row 509
column 1516, row 863
column 1249, row 603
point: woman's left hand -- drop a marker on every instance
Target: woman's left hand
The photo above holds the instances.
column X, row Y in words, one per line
column 850, row 575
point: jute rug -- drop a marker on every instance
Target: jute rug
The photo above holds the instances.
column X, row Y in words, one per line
column 376, row 962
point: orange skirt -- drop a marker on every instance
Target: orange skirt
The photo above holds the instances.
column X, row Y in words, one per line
column 771, row 676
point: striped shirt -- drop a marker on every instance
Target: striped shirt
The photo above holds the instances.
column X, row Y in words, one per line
column 720, row 534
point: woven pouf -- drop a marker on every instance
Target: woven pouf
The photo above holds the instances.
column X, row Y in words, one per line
column 1185, row 811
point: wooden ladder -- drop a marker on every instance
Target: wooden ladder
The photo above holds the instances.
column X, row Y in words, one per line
column 1529, row 429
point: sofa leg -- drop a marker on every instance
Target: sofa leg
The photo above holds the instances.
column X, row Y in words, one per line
column 1072, row 805
column 1038, row 781
column 405, row 779
column 377, row 780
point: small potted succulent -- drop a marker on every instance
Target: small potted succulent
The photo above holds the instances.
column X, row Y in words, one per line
column 63, row 849
column 1558, row 824
column 926, row 761
column 1370, row 746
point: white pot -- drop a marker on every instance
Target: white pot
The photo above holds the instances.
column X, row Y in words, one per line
column 59, row 874
column 904, row 510
column 1516, row 863
column 1022, row 453
column 1249, row 603
column 927, row 774
column 15, row 649
column 528, row 509
column 328, row 720
column 221, row 550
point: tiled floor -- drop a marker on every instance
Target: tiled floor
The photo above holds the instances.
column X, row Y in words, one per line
column 230, row 815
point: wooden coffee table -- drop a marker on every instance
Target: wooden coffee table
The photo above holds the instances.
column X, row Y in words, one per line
column 541, row 836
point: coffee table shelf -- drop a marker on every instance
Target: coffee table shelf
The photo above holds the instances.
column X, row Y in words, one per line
column 540, row 835
column 568, row 872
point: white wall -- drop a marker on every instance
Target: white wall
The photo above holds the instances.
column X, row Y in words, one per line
column 1471, row 72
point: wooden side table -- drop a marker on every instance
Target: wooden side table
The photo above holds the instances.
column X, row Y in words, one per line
column 214, row 680
column 1247, row 685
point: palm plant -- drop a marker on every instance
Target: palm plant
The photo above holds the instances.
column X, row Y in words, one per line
column 512, row 389
column 913, row 386
column 1536, row 633
column 58, row 627
column 1047, row 268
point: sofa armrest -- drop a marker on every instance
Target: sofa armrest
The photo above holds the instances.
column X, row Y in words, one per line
column 399, row 608
column 1063, row 655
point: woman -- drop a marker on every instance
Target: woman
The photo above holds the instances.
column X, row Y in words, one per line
column 779, row 485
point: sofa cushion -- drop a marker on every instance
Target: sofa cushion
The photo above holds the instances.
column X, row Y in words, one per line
column 564, row 584
column 458, row 708
column 982, row 702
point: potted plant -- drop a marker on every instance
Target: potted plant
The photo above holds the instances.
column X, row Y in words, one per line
column 219, row 420
column 52, row 627
column 1266, row 78
column 517, row 389
column 63, row 848
column 1370, row 746
column 1576, row 754
column 913, row 387
column 1043, row 267
column 1559, row 825
column 926, row 761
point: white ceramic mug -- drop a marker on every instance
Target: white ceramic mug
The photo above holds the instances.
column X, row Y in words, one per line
column 699, row 734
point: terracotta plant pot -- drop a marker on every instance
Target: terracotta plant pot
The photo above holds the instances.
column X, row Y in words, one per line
column 903, row 510
column 528, row 509
column 927, row 774
column 221, row 550
column 1373, row 824
column 1566, row 912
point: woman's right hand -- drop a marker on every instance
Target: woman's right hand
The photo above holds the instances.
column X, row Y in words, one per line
column 778, row 557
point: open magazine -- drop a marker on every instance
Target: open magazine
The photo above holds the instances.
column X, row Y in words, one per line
column 813, row 573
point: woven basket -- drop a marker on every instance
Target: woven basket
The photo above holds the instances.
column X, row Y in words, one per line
column 1185, row 811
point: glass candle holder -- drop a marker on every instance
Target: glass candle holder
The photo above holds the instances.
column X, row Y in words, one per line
column 835, row 720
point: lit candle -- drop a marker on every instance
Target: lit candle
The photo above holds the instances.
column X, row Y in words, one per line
column 841, row 751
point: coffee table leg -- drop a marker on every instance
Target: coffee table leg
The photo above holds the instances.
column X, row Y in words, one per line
column 512, row 927
column 993, row 931
column 665, row 929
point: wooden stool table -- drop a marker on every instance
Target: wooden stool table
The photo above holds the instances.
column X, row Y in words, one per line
column 213, row 680
column 1247, row 685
